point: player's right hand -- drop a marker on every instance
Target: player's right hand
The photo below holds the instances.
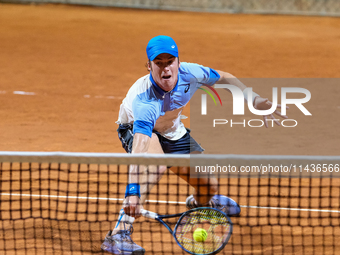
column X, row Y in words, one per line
column 264, row 104
column 132, row 206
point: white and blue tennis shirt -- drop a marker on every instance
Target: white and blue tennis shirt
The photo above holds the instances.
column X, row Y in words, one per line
column 149, row 108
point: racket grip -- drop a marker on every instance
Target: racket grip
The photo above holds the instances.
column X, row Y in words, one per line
column 148, row 214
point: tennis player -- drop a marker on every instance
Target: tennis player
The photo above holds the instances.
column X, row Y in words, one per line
column 150, row 122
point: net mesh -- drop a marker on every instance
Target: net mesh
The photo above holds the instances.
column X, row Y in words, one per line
column 65, row 203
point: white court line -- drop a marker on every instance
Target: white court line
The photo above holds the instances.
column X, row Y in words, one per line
column 167, row 202
column 18, row 92
column 86, row 198
column 291, row 209
column 24, row 93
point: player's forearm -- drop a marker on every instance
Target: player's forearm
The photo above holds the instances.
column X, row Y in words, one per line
column 141, row 144
column 227, row 78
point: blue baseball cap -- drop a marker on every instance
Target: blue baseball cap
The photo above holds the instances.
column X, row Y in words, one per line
column 161, row 44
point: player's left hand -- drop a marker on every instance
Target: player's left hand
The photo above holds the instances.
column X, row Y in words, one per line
column 264, row 104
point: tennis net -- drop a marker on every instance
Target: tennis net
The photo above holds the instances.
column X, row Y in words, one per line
column 65, row 203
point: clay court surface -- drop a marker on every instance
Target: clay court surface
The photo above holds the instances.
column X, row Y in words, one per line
column 64, row 71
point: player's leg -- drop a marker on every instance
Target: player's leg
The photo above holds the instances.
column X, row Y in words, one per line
column 205, row 188
column 204, row 195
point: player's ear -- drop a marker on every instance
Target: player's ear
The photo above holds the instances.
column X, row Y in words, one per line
column 148, row 65
column 179, row 63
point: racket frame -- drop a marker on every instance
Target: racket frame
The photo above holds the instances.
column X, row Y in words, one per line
column 155, row 216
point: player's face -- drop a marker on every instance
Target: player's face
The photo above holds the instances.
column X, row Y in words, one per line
column 164, row 70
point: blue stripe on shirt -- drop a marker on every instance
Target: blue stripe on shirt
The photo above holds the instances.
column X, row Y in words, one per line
column 143, row 127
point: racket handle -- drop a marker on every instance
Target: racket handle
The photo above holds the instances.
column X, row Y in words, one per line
column 148, row 214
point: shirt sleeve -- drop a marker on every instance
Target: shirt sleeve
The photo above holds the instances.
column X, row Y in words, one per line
column 145, row 114
column 214, row 76
column 203, row 75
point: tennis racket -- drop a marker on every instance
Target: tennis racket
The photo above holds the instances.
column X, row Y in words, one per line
column 216, row 223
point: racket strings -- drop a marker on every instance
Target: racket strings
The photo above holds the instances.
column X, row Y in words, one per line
column 213, row 222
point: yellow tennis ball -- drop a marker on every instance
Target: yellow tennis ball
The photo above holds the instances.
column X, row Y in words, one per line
column 200, row 235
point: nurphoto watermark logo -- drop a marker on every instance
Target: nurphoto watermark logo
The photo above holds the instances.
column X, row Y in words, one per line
column 238, row 105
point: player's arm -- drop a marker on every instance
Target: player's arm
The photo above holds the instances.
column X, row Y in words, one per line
column 258, row 102
column 145, row 113
column 227, row 78
column 133, row 203
column 140, row 144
